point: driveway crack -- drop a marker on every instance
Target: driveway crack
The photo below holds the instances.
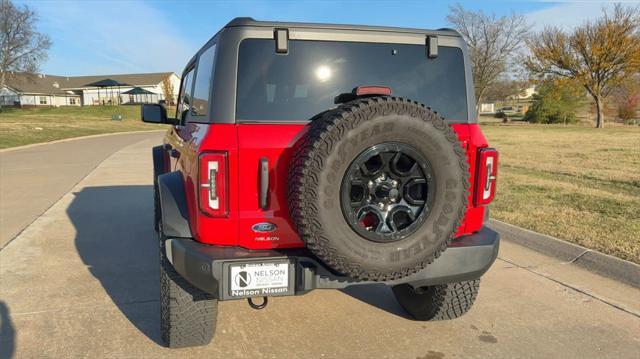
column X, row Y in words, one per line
column 602, row 300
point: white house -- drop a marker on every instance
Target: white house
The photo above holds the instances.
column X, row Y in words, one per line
column 22, row 89
column 526, row 93
column 27, row 90
column 486, row 108
column 151, row 82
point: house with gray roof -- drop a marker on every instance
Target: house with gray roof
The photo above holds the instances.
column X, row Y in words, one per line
column 28, row 90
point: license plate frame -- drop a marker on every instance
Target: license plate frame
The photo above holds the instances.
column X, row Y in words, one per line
column 263, row 278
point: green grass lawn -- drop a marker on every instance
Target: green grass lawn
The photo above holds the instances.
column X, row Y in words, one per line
column 26, row 126
column 576, row 183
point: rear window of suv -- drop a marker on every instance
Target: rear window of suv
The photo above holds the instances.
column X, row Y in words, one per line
column 298, row 85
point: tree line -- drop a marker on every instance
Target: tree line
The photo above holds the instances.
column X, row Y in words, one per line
column 600, row 57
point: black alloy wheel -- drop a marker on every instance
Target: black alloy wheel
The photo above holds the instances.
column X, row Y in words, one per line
column 378, row 187
column 387, row 192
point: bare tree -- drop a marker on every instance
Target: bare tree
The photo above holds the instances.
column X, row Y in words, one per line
column 505, row 88
column 22, row 48
column 598, row 55
column 167, row 89
column 492, row 42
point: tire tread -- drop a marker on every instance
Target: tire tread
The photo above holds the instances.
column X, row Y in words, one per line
column 325, row 131
column 439, row 302
column 187, row 315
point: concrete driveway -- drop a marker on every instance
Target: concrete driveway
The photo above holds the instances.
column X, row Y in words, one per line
column 82, row 281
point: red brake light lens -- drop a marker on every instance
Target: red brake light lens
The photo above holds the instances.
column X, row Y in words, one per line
column 372, row 90
column 486, row 174
column 213, row 184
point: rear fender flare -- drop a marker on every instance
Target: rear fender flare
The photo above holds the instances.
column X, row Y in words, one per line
column 173, row 205
column 159, row 167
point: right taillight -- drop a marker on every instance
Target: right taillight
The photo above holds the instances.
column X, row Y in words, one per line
column 486, row 173
column 213, row 191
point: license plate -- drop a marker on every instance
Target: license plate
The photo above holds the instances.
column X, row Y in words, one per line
column 259, row 279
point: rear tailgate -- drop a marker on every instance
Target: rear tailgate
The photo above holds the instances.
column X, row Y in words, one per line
column 273, row 143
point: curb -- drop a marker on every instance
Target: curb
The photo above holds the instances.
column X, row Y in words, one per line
column 11, row 149
column 594, row 261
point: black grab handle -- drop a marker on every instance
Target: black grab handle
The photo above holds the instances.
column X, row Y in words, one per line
column 263, row 200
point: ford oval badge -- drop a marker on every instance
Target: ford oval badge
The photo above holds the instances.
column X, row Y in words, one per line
column 264, row 227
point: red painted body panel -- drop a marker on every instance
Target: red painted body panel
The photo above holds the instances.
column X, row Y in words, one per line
column 275, row 143
column 206, row 229
column 471, row 138
column 245, row 145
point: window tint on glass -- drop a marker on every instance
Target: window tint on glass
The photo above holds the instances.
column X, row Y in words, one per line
column 184, row 103
column 303, row 83
column 204, row 74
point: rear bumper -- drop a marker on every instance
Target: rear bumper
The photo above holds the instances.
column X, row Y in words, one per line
column 207, row 267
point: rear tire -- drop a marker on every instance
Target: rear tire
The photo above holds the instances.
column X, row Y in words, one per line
column 188, row 315
column 438, row 302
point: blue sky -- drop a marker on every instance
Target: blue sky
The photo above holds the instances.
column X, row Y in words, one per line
column 109, row 37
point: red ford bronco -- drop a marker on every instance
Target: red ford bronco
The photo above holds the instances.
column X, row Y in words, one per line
column 307, row 156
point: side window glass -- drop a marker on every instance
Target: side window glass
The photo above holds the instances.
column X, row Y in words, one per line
column 204, row 76
column 184, row 103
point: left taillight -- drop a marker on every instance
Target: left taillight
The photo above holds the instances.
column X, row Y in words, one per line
column 213, row 184
column 486, row 175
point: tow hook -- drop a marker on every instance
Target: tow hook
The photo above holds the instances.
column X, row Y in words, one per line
column 262, row 305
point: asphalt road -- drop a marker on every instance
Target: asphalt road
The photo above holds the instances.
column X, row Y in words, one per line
column 33, row 178
column 82, row 281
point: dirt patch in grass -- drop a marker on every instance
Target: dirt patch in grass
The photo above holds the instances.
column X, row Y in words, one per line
column 26, row 126
column 575, row 183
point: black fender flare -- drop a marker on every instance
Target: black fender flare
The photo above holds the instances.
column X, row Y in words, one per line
column 173, row 205
column 158, row 154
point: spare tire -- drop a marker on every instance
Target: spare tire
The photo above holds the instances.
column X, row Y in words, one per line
column 378, row 187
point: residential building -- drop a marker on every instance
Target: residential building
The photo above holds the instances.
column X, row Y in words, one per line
column 526, row 93
column 487, row 108
column 28, row 90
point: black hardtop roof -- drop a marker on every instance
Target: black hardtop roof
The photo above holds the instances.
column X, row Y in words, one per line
column 248, row 21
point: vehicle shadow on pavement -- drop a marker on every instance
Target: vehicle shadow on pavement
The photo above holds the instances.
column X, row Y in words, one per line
column 116, row 241
column 378, row 295
column 7, row 332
